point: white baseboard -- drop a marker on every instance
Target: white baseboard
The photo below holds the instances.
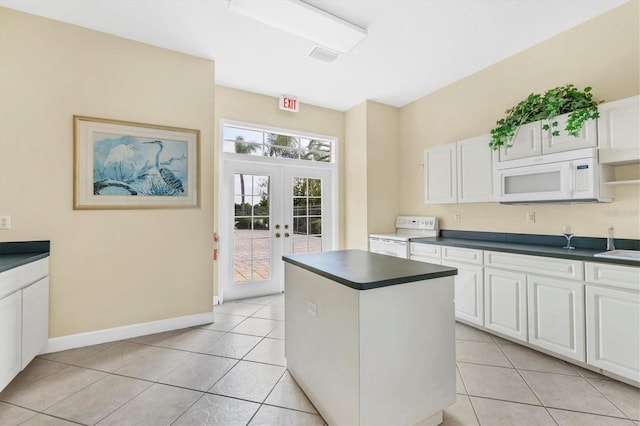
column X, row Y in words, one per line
column 217, row 300
column 126, row 332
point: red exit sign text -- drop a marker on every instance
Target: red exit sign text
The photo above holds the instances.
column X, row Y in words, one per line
column 288, row 103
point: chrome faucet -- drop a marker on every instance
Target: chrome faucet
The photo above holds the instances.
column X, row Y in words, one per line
column 610, row 244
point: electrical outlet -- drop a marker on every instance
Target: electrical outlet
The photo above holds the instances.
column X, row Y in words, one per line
column 5, row 223
column 531, row 217
column 457, row 217
column 312, row 308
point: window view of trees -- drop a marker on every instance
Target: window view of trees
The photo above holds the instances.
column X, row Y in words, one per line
column 252, row 142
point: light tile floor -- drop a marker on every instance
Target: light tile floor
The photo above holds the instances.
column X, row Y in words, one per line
column 233, row 372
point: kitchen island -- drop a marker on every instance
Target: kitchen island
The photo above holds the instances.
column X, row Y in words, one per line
column 370, row 338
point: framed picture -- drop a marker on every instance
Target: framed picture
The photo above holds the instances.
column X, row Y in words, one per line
column 125, row 165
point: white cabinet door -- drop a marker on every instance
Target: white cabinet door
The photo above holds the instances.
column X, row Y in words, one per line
column 527, row 143
column 440, row 185
column 613, row 330
column 556, row 315
column 35, row 319
column 565, row 142
column 505, row 302
column 469, row 301
column 10, row 337
column 475, row 169
column 619, row 131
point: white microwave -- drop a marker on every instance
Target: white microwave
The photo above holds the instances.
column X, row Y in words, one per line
column 571, row 176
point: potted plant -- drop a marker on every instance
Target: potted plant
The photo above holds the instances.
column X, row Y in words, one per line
column 579, row 104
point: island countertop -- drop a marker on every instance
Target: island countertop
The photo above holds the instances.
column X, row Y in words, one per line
column 363, row 270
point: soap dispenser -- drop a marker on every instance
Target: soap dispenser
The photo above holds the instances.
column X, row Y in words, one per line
column 610, row 245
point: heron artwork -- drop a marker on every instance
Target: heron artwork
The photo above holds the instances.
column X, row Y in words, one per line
column 138, row 166
column 167, row 175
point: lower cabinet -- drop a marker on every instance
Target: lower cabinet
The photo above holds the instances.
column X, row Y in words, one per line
column 469, row 302
column 613, row 330
column 505, row 302
column 35, row 319
column 24, row 317
column 556, row 315
column 583, row 311
column 10, row 337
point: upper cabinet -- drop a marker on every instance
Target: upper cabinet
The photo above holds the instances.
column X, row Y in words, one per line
column 440, row 185
column 460, row 172
column 565, row 142
column 532, row 140
column 619, row 131
column 476, row 162
column 527, row 143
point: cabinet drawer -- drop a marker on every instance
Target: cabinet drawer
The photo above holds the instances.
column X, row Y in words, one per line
column 424, row 250
column 457, row 254
column 559, row 268
column 627, row 277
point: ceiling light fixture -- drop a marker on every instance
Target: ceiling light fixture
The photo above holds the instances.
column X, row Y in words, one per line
column 304, row 20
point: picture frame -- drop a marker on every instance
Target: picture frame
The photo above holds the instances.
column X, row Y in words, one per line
column 128, row 165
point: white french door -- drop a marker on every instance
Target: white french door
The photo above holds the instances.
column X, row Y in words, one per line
column 269, row 210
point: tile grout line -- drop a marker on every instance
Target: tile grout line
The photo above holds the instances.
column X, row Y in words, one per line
column 605, row 397
column 67, row 364
column 524, row 380
column 573, row 410
column 267, row 396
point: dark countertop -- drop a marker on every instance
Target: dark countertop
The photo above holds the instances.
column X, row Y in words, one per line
column 14, row 254
column 362, row 270
column 534, row 245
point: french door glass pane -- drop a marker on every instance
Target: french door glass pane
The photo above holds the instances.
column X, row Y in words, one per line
column 307, row 215
column 252, row 241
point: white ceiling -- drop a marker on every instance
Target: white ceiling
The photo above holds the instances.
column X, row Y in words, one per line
column 413, row 47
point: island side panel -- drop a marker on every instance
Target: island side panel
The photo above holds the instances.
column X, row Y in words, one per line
column 407, row 352
column 322, row 350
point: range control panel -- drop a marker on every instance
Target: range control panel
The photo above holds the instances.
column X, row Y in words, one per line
column 417, row 222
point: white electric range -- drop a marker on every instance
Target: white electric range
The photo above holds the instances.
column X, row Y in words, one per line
column 407, row 227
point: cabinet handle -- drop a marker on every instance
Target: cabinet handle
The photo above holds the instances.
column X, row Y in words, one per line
column 286, row 235
column 277, row 235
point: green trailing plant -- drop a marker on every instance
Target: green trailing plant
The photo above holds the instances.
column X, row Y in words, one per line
column 562, row 100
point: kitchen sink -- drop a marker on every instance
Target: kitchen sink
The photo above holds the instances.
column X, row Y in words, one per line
column 620, row 254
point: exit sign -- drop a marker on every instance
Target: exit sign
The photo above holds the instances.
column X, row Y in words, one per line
column 288, row 103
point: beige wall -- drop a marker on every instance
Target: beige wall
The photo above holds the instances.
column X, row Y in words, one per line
column 253, row 108
column 602, row 53
column 383, row 179
column 356, row 177
column 372, row 196
column 108, row 268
